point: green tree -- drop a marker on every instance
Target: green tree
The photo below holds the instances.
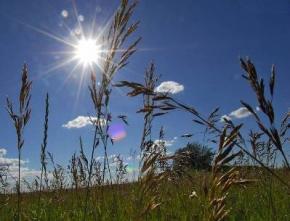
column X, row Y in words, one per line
column 193, row 156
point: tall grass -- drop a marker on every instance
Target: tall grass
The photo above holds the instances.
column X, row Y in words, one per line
column 117, row 35
column 43, row 149
column 244, row 183
column 20, row 120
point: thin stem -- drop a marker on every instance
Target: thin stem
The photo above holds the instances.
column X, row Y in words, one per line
column 106, row 159
column 90, row 172
column 184, row 107
column 19, row 185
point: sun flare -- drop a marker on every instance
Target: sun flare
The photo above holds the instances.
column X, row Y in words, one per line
column 87, row 51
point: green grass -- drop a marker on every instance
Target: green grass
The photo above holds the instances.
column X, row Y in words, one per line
column 263, row 200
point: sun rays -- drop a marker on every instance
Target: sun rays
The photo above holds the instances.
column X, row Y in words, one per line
column 84, row 46
column 87, row 51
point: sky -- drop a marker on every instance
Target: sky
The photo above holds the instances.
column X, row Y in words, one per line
column 195, row 44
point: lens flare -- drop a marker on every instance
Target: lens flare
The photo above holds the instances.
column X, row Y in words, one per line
column 117, row 132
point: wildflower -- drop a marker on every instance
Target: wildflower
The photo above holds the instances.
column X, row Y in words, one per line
column 193, row 195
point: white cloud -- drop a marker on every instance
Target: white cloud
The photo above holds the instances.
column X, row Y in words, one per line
column 3, row 152
column 11, row 164
column 99, row 158
column 111, row 157
column 129, row 158
column 26, row 172
column 167, row 143
column 126, row 158
column 241, row 112
column 169, row 87
column 82, row 121
column 225, row 117
column 11, row 161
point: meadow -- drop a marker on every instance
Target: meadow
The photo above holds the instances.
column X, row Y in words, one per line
column 245, row 180
column 259, row 201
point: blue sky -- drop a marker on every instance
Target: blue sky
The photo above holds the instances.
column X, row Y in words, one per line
column 194, row 43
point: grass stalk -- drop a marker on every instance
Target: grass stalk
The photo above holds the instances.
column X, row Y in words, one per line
column 20, row 120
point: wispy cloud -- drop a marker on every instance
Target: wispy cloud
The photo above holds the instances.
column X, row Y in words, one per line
column 167, row 143
column 241, row 112
column 12, row 165
column 3, row 152
column 26, row 172
column 225, row 117
column 111, row 157
column 169, row 87
column 9, row 162
column 82, row 121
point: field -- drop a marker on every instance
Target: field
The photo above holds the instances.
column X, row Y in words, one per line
column 264, row 200
column 246, row 176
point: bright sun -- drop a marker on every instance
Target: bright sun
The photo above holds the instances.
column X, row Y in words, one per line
column 87, row 51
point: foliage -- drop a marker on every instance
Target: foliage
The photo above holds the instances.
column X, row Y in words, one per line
column 193, row 156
